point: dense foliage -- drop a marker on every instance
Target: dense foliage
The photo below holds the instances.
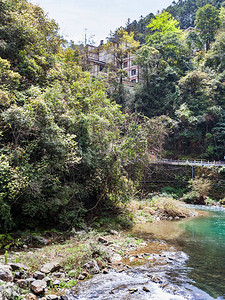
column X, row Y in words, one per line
column 184, row 11
column 65, row 145
column 183, row 77
column 67, row 148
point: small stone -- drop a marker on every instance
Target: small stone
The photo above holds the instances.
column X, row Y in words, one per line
column 38, row 275
column 56, row 282
column 86, row 274
column 133, row 290
column 30, row 296
column 72, row 273
column 50, row 267
column 146, row 289
column 102, row 240
column 63, row 298
column 22, row 283
column 58, row 275
column 92, row 266
column 155, row 279
column 30, row 280
column 114, row 232
column 47, row 280
column 18, row 275
column 105, row 271
column 5, row 273
column 8, row 293
column 116, row 257
column 15, row 295
column 25, row 247
column 18, row 267
column 81, row 277
column 38, row 286
column 52, row 297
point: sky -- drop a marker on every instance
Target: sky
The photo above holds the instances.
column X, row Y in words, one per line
column 96, row 17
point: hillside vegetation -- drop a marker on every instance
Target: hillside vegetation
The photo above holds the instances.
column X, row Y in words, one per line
column 68, row 151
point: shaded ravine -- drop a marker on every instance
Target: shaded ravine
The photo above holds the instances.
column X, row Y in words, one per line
column 191, row 266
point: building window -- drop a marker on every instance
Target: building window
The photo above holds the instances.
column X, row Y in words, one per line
column 133, row 80
column 125, row 65
column 133, row 72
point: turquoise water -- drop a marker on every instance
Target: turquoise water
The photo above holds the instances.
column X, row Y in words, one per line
column 203, row 240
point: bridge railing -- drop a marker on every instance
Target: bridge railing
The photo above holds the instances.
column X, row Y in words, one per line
column 196, row 162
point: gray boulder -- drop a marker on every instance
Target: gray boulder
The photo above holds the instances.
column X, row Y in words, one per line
column 38, row 286
column 92, row 266
column 6, row 273
column 50, row 267
column 22, row 283
column 18, row 266
column 30, row 296
column 38, row 275
column 30, row 280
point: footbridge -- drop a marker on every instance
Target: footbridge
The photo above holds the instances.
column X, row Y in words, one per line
column 187, row 162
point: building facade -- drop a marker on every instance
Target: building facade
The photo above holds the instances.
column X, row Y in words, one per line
column 98, row 60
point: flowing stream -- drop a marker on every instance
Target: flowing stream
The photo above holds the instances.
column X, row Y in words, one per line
column 203, row 240
column 189, row 263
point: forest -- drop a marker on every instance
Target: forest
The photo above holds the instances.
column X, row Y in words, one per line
column 73, row 145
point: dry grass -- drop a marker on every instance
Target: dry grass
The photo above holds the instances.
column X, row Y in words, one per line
column 77, row 251
column 172, row 208
column 72, row 254
column 160, row 207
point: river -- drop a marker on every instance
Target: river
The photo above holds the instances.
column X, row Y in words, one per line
column 187, row 262
column 203, row 240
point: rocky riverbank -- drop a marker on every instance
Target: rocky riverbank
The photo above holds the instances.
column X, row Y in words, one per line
column 126, row 265
column 57, row 272
column 51, row 271
column 115, row 258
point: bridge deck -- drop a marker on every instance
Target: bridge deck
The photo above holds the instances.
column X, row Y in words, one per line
column 189, row 162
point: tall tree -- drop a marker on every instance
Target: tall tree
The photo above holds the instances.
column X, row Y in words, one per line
column 166, row 36
column 207, row 22
column 156, row 93
column 119, row 48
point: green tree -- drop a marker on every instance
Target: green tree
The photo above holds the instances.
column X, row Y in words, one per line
column 119, row 48
column 156, row 93
column 166, row 36
column 215, row 58
column 207, row 22
column 29, row 39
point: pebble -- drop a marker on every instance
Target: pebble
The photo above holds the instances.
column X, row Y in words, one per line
column 38, row 275
column 133, row 290
column 30, row 296
column 145, row 289
column 81, row 277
